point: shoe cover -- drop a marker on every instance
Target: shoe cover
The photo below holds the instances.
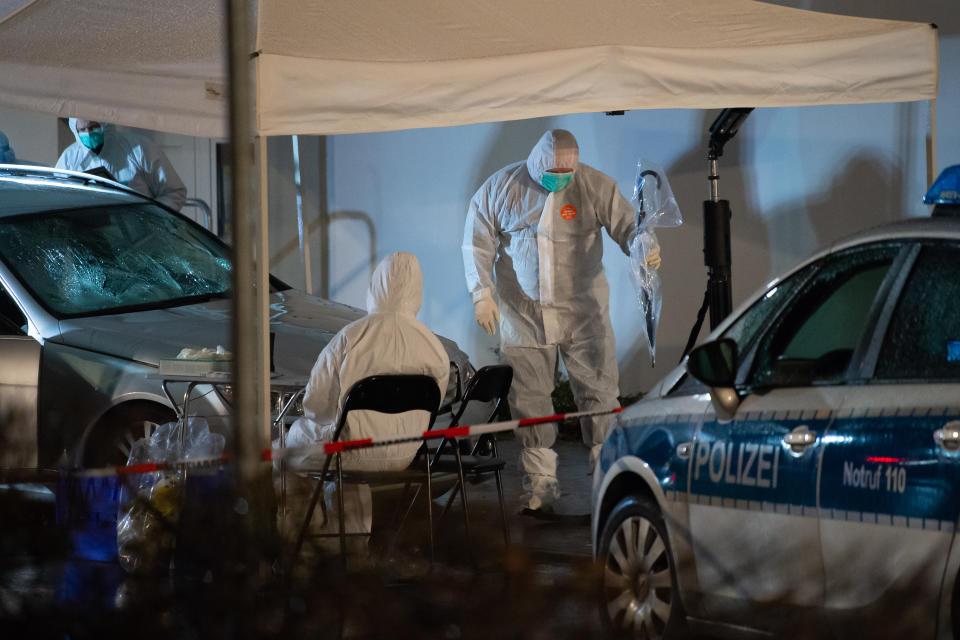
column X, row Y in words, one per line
column 594, row 457
column 540, row 486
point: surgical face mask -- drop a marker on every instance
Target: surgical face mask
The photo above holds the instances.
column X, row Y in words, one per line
column 553, row 181
column 92, row 139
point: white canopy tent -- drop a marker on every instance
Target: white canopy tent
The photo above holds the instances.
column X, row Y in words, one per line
column 346, row 67
column 349, row 66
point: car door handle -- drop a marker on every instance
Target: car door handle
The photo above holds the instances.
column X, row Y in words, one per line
column 683, row 450
column 800, row 438
column 949, row 436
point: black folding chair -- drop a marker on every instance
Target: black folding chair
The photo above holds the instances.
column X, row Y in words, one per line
column 390, row 394
column 489, row 384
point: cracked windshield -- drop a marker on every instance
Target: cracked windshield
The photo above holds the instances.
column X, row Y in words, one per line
column 93, row 260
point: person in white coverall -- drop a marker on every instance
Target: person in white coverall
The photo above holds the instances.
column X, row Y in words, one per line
column 536, row 225
column 389, row 340
column 132, row 161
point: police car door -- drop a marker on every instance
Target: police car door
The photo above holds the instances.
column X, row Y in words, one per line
column 889, row 479
column 753, row 488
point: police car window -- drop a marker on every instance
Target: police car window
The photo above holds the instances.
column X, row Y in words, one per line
column 923, row 339
column 813, row 340
column 748, row 326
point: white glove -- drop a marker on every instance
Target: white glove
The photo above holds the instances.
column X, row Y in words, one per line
column 653, row 256
column 487, row 315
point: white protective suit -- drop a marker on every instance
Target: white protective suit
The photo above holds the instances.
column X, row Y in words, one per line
column 132, row 160
column 389, row 340
column 546, row 250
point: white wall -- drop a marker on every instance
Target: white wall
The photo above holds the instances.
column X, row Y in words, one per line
column 33, row 136
column 796, row 179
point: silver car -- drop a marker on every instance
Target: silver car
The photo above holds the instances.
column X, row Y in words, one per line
column 799, row 474
column 98, row 285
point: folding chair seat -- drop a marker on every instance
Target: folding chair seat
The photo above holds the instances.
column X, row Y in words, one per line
column 489, row 384
column 388, row 394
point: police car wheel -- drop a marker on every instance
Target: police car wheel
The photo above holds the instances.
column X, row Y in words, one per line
column 639, row 585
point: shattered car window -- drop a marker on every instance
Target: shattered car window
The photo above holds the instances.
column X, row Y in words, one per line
column 85, row 261
column 923, row 340
column 748, row 326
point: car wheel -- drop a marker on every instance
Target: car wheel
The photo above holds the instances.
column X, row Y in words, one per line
column 639, row 584
column 109, row 442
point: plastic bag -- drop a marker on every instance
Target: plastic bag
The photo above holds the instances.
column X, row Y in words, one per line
column 656, row 207
column 150, row 506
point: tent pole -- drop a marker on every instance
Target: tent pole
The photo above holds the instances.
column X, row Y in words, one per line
column 245, row 372
column 932, row 144
column 324, row 221
column 244, row 301
column 303, row 229
column 263, row 295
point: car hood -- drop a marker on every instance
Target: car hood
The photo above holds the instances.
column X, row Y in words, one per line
column 301, row 326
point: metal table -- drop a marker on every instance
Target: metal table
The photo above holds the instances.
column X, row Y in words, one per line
column 288, row 391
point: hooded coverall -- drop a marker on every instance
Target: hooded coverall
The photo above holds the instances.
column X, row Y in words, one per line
column 132, row 161
column 389, row 340
column 546, row 250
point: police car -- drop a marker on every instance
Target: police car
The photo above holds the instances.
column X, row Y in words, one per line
column 799, row 475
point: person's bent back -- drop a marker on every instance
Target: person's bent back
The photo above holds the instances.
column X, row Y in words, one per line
column 127, row 158
column 389, row 340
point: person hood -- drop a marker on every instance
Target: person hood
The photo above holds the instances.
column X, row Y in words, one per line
column 76, row 136
column 7, row 156
column 396, row 285
column 556, row 149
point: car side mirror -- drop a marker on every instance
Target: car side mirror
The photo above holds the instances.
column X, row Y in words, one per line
column 715, row 365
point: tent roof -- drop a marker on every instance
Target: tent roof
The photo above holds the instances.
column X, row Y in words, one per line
column 159, row 64
column 347, row 66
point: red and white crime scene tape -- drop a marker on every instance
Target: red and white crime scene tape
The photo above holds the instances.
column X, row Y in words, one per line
column 318, row 451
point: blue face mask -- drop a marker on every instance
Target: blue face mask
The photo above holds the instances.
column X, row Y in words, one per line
column 92, row 139
column 555, row 181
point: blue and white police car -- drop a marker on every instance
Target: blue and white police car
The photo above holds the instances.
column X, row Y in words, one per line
column 799, row 475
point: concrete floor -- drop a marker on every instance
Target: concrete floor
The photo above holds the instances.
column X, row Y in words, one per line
column 544, row 585
column 568, row 538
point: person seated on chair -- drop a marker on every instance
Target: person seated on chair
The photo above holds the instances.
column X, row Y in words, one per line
column 389, row 340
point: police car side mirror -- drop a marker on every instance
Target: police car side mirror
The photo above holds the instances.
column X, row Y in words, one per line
column 715, row 365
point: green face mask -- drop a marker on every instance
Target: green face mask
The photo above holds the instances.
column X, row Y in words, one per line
column 555, row 181
column 92, row 139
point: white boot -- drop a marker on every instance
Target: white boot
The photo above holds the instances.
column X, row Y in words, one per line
column 594, row 458
column 540, row 486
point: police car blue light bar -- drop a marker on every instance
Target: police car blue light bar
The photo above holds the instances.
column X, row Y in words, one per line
column 946, row 188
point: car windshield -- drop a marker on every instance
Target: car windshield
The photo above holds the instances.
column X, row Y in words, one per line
column 88, row 261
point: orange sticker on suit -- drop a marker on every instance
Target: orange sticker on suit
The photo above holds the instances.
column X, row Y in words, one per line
column 568, row 212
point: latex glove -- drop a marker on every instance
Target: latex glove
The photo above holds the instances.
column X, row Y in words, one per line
column 487, row 315
column 653, row 256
